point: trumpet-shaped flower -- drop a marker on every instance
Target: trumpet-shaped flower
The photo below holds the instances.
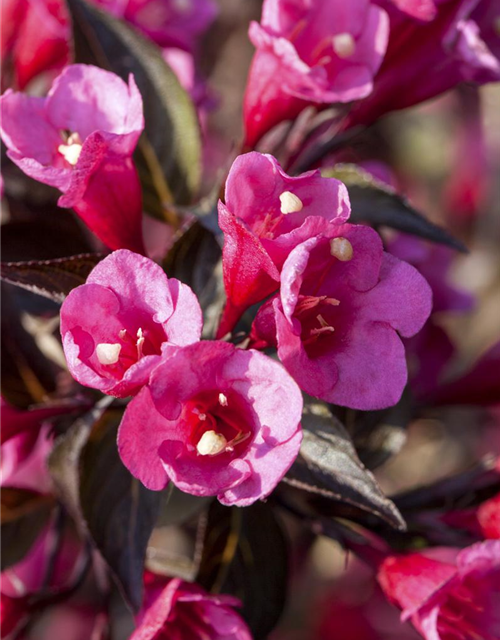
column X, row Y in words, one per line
column 311, row 52
column 449, row 595
column 115, row 327
column 80, row 139
column 215, row 420
column 336, row 321
column 177, row 609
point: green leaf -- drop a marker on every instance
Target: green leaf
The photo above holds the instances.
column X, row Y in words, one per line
column 119, row 511
column 377, row 204
column 169, row 152
column 24, row 515
column 53, row 279
column 328, row 466
column 245, row 554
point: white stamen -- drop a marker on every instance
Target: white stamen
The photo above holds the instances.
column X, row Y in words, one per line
column 140, row 342
column 108, row 353
column 72, row 149
column 290, row 203
column 222, row 400
column 341, row 249
column 343, row 45
column 202, row 416
column 71, row 152
column 211, row 443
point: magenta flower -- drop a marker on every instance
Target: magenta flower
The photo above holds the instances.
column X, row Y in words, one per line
column 169, row 23
column 215, row 420
column 425, row 59
column 266, row 214
column 35, row 35
column 311, row 52
column 453, row 597
column 80, row 139
column 177, row 609
column 115, row 327
column 341, row 305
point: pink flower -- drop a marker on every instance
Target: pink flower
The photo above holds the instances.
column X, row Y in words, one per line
column 425, row 59
column 311, row 52
column 215, row 420
column 80, row 139
column 449, row 598
column 35, row 35
column 336, row 320
column 266, row 214
column 169, row 23
column 115, row 327
column 177, row 609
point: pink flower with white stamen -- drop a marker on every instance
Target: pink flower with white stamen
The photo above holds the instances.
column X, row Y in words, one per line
column 215, row 420
column 115, row 327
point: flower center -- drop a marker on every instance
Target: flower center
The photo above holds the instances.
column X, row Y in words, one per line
column 128, row 351
column 72, row 149
column 215, row 425
column 344, row 45
column 313, row 313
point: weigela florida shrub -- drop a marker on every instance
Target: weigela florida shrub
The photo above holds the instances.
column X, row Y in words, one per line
column 313, row 306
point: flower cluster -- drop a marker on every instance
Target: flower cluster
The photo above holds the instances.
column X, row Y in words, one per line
column 213, row 419
column 339, row 300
